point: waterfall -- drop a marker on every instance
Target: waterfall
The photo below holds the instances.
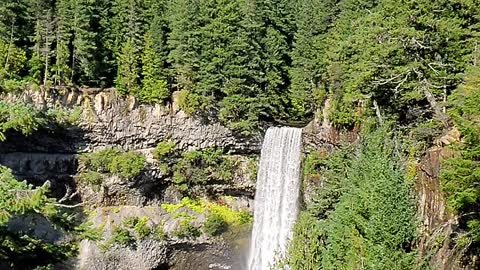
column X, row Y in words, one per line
column 276, row 198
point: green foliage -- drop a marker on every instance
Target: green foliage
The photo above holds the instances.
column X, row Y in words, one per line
column 163, row 149
column 159, row 233
column 26, row 119
column 88, row 231
column 215, row 225
column 92, row 178
column 154, row 88
column 99, row 161
column 220, row 218
column 372, row 218
column 187, row 230
column 139, row 226
column 22, row 250
column 461, row 173
column 306, row 248
column 13, row 61
column 128, row 164
column 128, row 71
column 122, row 236
column 203, row 167
column 19, row 117
column 243, row 62
column 64, row 117
column 332, row 170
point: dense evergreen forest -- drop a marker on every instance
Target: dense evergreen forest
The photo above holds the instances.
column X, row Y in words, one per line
column 410, row 64
column 245, row 61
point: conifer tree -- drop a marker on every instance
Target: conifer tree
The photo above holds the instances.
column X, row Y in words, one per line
column 312, row 21
column 42, row 18
column 154, row 88
column 83, row 43
column 279, row 27
column 63, row 36
column 128, row 70
column 184, row 21
column 155, row 52
column 127, row 32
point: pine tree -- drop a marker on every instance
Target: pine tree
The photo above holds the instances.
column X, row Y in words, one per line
column 42, row 18
column 128, row 70
column 184, row 21
column 12, row 57
column 127, row 32
column 279, row 27
column 312, row 19
column 460, row 176
column 154, row 88
column 63, row 36
column 83, row 44
column 155, row 52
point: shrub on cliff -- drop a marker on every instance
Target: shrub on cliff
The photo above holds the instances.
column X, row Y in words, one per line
column 215, row 225
column 163, row 149
column 19, row 117
column 128, row 164
column 92, row 178
column 203, row 167
column 186, row 229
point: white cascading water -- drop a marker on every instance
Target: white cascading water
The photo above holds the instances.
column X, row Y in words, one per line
column 277, row 196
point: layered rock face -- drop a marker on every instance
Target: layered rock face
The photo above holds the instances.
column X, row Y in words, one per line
column 109, row 120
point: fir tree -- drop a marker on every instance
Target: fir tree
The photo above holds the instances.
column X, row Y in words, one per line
column 128, row 70
column 154, row 88
column 83, row 43
column 127, row 30
column 63, row 36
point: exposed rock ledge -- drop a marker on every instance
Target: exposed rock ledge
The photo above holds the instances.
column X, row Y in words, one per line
column 109, row 120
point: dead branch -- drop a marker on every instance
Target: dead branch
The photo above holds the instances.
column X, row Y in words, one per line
column 68, row 194
column 378, row 112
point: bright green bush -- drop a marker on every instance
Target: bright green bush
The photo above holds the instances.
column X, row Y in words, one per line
column 122, row 237
column 19, row 117
column 187, row 230
column 215, row 225
column 99, row 161
column 64, row 117
column 88, row 231
column 139, row 226
column 159, row 233
column 163, row 149
column 154, row 91
column 128, row 165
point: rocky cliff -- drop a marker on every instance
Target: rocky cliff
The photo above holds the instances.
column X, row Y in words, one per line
column 107, row 121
